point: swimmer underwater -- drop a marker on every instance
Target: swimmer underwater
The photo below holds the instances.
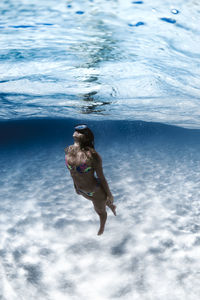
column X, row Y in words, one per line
column 83, row 162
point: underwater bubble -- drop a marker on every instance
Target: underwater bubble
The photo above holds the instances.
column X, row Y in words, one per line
column 175, row 11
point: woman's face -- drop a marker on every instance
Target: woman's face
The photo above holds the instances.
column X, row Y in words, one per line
column 78, row 136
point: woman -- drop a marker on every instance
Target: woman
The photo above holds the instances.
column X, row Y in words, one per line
column 83, row 161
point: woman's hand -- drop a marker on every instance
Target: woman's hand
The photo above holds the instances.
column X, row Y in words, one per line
column 109, row 202
column 109, row 199
column 77, row 191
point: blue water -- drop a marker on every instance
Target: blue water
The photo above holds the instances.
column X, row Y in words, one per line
column 135, row 60
column 130, row 70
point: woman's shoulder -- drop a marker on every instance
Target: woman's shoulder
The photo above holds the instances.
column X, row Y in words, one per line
column 68, row 149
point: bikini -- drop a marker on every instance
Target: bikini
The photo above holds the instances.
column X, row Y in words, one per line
column 82, row 168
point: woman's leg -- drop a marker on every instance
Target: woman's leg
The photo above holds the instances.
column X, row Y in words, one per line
column 102, row 216
column 99, row 202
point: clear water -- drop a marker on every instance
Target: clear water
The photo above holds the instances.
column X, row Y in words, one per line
column 101, row 59
column 131, row 71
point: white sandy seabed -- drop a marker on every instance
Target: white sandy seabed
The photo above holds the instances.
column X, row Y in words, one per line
column 150, row 251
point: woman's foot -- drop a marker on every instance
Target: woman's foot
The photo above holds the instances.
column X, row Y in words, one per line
column 103, row 217
column 101, row 230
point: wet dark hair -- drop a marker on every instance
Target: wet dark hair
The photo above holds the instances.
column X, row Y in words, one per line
column 89, row 139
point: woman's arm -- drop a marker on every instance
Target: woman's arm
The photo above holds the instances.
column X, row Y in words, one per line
column 76, row 189
column 99, row 171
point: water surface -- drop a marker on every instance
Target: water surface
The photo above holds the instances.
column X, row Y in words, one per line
column 101, row 59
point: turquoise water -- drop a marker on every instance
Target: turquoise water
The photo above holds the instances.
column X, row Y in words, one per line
column 130, row 69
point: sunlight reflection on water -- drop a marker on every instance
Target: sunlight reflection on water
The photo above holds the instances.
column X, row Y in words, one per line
column 123, row 53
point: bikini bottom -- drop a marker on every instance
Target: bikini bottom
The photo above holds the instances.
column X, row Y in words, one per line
column 90, row 194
